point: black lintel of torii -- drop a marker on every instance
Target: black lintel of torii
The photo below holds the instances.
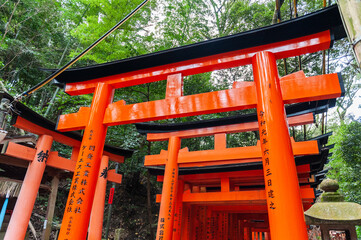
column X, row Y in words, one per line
column 325, row 19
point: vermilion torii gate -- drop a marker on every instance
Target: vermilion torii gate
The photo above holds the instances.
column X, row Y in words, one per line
column 261, row 48
column 36, row 160
column 229, row 174
column 227, row 183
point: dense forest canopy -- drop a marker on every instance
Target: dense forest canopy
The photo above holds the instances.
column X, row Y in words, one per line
column 45, row 34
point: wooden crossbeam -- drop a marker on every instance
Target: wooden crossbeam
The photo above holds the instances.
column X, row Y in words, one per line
column 232, row 128
column 283, row 49
column 249, row 174
column 28, row 126
column 294, row 90
column 27, row 154
column 36, row 129
column 239, row 154
column 236, row 180
column 239, row 208
column 237, row 197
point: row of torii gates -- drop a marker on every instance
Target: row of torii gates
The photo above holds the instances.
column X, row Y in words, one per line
column 253, row 192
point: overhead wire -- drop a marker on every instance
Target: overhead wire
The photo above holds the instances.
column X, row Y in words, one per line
column 74, row 60
column 51, row 103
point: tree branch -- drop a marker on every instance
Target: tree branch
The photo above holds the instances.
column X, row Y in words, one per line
column 8, row 24
column 4, row 3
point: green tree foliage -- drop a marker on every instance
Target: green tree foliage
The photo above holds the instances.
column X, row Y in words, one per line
column 38, row 34
column 346, row 160
column 34, row 35
column 97, row 16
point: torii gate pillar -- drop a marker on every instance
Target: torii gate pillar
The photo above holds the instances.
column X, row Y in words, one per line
column 169, row 192
column 285, row 211
column 80, row 200
column 97, row 214
column 24, row 205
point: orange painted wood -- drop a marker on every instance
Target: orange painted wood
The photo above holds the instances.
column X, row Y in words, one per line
column 225, row 187
column 241, row 154
column 174, row 86
column 114, row 177
column 97, row 212
column 238, row 178
column 58, row 162
column 233, row 128
column 248, row 233
column 169, row 192
column 178, row 212
column 246, row 197
column 202, row 223
column 36, row 129
column 80, row 199
column 186, row 222
column 75, row 153
column 20, row 151
column 237, row 174
column 80, row 118
column 28, row 154
column 284, row 201
column 114, row 157
column 20, row 217
column 216, row 163
column 220, row 141
column 313, row 88
column 241, row 208
column 209, row 223
column 54, row 160
column 194, row 222
column 284, row 49
column 225, row 226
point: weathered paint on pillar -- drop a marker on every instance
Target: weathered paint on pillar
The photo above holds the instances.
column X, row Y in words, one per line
column 97, row 214
column 80, row 199
column 285, row 210
column 350, row 11
column 177, row 223
column 24, row 205
column 169, row 190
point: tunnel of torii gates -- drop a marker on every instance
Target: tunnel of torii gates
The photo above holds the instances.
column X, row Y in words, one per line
column 221, row 192
column 16, row 152
column 277, row 202
column 267, row 93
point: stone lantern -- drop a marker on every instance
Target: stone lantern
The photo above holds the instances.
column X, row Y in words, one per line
column 332, row 213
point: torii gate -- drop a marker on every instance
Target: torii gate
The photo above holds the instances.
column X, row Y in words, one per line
column 261, row 48
column 220, row 156
column 41, row 157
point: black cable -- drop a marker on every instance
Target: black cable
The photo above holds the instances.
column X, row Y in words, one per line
column 69, row 64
